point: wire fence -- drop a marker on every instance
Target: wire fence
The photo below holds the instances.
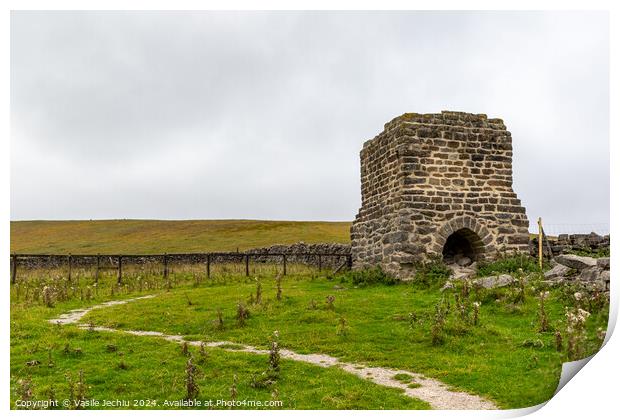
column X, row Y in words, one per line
column 555, row 229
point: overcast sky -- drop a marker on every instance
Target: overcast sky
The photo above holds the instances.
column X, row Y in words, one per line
column 204, row 115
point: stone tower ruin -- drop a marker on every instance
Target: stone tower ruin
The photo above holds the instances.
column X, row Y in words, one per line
column 437, row 185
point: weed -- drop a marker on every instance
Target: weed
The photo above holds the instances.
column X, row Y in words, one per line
column 476, row 306
column 51, row 396
column 233, row 389
column 559, row 346
column 202, row 351
column 329, row 301
column 242, row 314
column 279, row 287
column 543, row 319
column 343, row 328
column 274, row 354
column 48, row 296
column 25, row 389
column 439, row 322
column 71, row 386
column 77, row 390
column 191, row 386
column 50, row 362
column 219, row 322
column 576, row 332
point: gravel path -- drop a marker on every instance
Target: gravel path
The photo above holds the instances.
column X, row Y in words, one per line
column 434, row 392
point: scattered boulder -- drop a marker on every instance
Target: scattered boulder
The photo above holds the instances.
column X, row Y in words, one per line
column 575, row 261
column 460, row 273
column 464, row 261
column 589, row 275
column 591, row 272
column 603, row 263
column 604, row 278
column 557, row 272
column 492, row 282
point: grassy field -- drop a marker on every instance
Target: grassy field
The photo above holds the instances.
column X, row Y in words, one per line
column 159, row 236
column 142, row 368
column 500, row 353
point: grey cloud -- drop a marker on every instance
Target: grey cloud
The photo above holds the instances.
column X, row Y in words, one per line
column 263, row 114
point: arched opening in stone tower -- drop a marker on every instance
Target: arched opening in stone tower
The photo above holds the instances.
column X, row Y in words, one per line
column 462, row 247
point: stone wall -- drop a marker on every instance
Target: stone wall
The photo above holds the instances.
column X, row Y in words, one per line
column 566, row 243
column 295, row 254
column 437, row 185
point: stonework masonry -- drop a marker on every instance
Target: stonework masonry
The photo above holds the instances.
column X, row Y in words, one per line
column 437, row 185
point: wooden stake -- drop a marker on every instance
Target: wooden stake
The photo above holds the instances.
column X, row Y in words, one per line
column 97, row 269
column 208, row 265
column 119, row 280
column 69, row 262
column 165, row 266
column 14, row 272
column 540, row 243
column 284, row 264
column 247, row 265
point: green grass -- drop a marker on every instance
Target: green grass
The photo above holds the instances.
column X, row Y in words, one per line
column 512, row 264
column 153, row 369
column 504, row 358
column 159, row 236
column 488, row 359
column 403, row 377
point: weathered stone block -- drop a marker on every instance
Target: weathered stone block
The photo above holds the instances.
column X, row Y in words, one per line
column 576, row 261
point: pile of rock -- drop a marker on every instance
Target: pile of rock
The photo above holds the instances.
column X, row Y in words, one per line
column 592, row 272
column 565, row 244
column 462, row 268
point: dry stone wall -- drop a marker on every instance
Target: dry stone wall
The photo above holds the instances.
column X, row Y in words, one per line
column 567, row 243
column 333, row 255
column 437, row 184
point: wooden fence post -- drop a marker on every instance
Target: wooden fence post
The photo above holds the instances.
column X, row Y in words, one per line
column 69, row 262
column 208, row 265
column 540, row 245
column 97, row 269
column 284, row 264
column 247, row 265
column 119, row 280
column 14, row 271
column 166, row 266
